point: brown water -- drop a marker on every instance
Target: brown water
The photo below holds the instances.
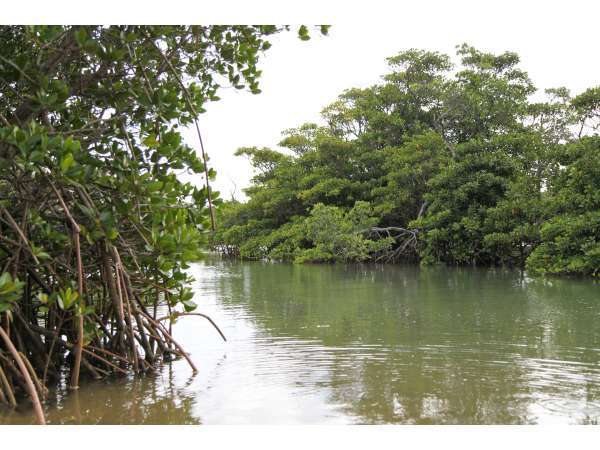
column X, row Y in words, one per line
column 365, row 344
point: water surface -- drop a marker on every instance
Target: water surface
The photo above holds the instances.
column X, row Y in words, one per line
column 365, row 344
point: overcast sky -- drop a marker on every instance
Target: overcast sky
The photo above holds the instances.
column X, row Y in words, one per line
column 558, row 42
column 557, row 47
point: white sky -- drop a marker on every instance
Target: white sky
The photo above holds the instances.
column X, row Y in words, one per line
column 558, row 42
column 558, row 47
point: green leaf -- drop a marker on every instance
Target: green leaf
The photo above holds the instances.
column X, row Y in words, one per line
column 189, row 305
column 81, row 36
column 303, row 33
column 151, row 141
column 5, row 278
column 66, row 162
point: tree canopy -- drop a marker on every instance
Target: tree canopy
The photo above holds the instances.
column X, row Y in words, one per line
column 96, row 227
column 447, row 164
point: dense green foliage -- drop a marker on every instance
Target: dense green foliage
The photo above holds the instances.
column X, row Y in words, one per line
column 95, row 225
column 570, row 237
column 447, row 165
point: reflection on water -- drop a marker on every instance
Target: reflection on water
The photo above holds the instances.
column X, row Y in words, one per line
column 366, row 344
column 151, row 399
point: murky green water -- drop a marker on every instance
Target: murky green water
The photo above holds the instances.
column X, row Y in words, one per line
column 392, row 344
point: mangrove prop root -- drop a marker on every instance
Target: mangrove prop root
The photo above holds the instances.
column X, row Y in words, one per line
column 179, row 314
column 87, row 210
column 128, row 336
column 166, row 334
column 110, row 329
column 39, row 413
column 78, row 350
column 40, row 388
column 8, row 389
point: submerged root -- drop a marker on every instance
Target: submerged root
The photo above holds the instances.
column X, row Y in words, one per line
column 120, row 337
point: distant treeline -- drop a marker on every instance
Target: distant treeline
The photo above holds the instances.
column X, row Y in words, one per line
column 436, row 165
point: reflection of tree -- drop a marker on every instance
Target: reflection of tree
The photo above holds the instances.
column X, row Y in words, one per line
column 426, row 346
column 152, row 399
column 394, row 392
